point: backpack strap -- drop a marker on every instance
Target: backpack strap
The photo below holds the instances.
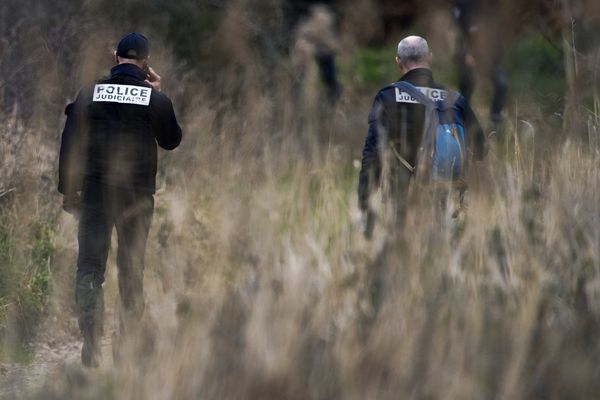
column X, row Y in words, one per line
column 402, row 159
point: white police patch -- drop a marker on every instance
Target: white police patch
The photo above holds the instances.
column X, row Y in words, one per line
column 433, row 94
column 125, row 94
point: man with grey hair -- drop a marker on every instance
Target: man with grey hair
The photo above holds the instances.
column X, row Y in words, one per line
column 397, row 121
column 415, row 50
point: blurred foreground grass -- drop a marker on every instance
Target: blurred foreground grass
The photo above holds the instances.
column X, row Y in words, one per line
column 260, row 284
column 280, row 297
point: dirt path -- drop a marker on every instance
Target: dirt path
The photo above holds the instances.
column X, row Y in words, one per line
column 52, row 356
column 18, row 380
column 58, row 349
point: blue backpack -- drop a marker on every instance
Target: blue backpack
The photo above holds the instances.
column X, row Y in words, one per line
column 443, row 149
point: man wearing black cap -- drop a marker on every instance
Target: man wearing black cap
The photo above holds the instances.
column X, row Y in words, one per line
column 107, row 174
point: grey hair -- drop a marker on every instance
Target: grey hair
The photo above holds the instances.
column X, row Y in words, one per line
column 413, row 49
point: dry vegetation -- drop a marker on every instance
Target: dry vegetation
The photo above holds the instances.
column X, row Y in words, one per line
column 260, row 284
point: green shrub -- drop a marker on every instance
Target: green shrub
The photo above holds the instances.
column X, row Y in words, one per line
column 25, row 277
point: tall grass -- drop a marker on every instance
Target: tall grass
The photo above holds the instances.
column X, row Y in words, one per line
column 260, row 284
column 28, row 235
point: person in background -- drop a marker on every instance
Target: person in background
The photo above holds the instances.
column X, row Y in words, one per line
column 316, row 37
column 107, row 174
column 479, row 50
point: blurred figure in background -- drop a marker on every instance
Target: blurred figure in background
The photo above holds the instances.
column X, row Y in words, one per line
column 107, row 174
column 316, row 38
column 479, row 50
column 397, row 126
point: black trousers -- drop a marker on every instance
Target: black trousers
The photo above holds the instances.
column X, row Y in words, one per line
column 130, row 212
column 496, row 75
column 326, row 63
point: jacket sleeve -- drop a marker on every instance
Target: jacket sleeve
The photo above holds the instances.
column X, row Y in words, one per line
column 164, row 123
column 370, row 171
column 71, row 162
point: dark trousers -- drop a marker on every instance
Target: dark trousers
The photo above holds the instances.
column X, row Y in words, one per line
column 326, row 63
column 495, row 74
column 130, row 212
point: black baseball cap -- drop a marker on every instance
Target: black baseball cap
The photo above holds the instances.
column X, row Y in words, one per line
column 133, row 45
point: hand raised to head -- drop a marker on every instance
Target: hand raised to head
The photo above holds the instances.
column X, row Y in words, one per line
column 153, row 79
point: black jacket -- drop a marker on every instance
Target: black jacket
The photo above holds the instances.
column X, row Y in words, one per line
column 111, row 133
column 399, row 123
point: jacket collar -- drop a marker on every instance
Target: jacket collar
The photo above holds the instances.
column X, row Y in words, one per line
column 419, row 76
column 130, row 70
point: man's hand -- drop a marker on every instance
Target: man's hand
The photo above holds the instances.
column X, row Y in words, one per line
column 153, row 79
column 470, row 60
column 71, row 203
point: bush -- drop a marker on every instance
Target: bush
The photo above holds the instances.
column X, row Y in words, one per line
column 25, row 279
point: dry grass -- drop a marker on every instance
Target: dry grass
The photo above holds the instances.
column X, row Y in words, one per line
column 261, row 286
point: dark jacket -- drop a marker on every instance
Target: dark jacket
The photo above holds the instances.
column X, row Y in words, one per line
column 399, row 123
column 111, row 133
